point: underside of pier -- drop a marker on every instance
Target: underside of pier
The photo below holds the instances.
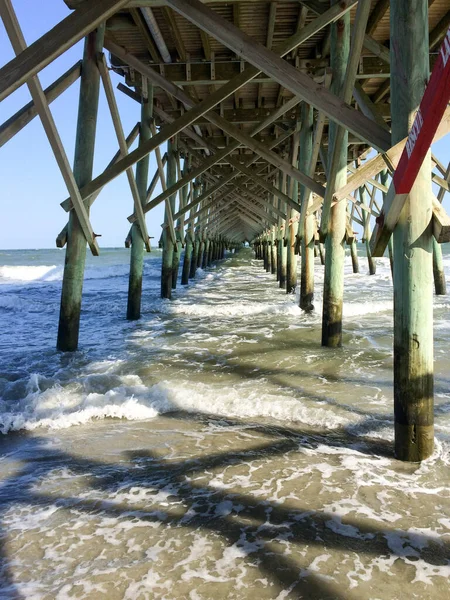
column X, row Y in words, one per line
column 278, row 124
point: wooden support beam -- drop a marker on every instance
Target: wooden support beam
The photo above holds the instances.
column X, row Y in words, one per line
column 333, row 13
column 83, row 163
column 61, row 238
column 341, row 137
column 428, row 116
column 137, row 17
column 298, row 83
column 175, row 32
column 333, row 287
column 366, row 105
column 311, row 163
column 136, row 236
column 376, row 164
column 155, row 179
column 114, row 110
column 209, row 162
column 168, row 243
column 168, row 219
column 166, row 133
column 376, row 15
column 18, row 42
column 32, row 59
column 307, row 161
column 26, row 114
column 413, row 284
column 269, row 41
column 438, row 33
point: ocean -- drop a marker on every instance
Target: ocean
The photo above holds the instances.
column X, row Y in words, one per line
column 212, row 449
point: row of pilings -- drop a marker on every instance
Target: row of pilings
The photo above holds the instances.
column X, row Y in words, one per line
column 202, row 248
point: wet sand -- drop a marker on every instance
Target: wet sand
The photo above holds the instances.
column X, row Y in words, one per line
column 191, row 506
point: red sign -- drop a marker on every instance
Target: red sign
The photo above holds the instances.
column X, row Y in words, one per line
column 428, row 117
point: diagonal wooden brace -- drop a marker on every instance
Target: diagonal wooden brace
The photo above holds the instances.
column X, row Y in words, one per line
column 18, row 42
column 104, row 74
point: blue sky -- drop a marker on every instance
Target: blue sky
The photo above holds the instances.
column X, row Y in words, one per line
column 32, row 187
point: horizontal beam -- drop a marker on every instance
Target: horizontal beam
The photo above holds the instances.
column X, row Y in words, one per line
column 224, row 70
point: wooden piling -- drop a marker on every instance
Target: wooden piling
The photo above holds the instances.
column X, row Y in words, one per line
column 210, row 253
column 291, row 234
column 137, row 241
column 309, row 225
column 265, row 253
column 269, row 252
column 440, row 286
column 205, row 254
column 201, row 249
column 282, row 248
column 413, row 247
column 176, row 261
column 167, row 243
column 384, row 179
column 178, row 231
column 75, row 258
column 367, row 232
column 274, row 250
column 321, row 253
column 333, row 289
column 187, row 258
column 354, row 255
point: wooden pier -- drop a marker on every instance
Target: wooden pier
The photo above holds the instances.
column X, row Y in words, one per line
column 284, row 122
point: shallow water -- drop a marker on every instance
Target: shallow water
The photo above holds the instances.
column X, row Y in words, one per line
column 212, row 449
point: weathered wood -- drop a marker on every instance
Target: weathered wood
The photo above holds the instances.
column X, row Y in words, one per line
column 137, row 234
column 440, row 285
column 413, row 303
column 209, row 162
column 213, row 117
column 317, row 142
column 376, row 164
column 297, row 82
column 273, row 246
column 292, row 222
column 340, row 137
column 307, row 156
column 43, row 51
column 72, row 285
column 61, row 238
column 428, row 116
column 282, row 248
column 376, row 15
column 354, row 255
column 18, row 42
column 206, row 254
column 26, row 114
column 333, row 289
column 114, row 110
column 366, row 227
column 441, row 222
column 167, row 242
column 137, row 17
